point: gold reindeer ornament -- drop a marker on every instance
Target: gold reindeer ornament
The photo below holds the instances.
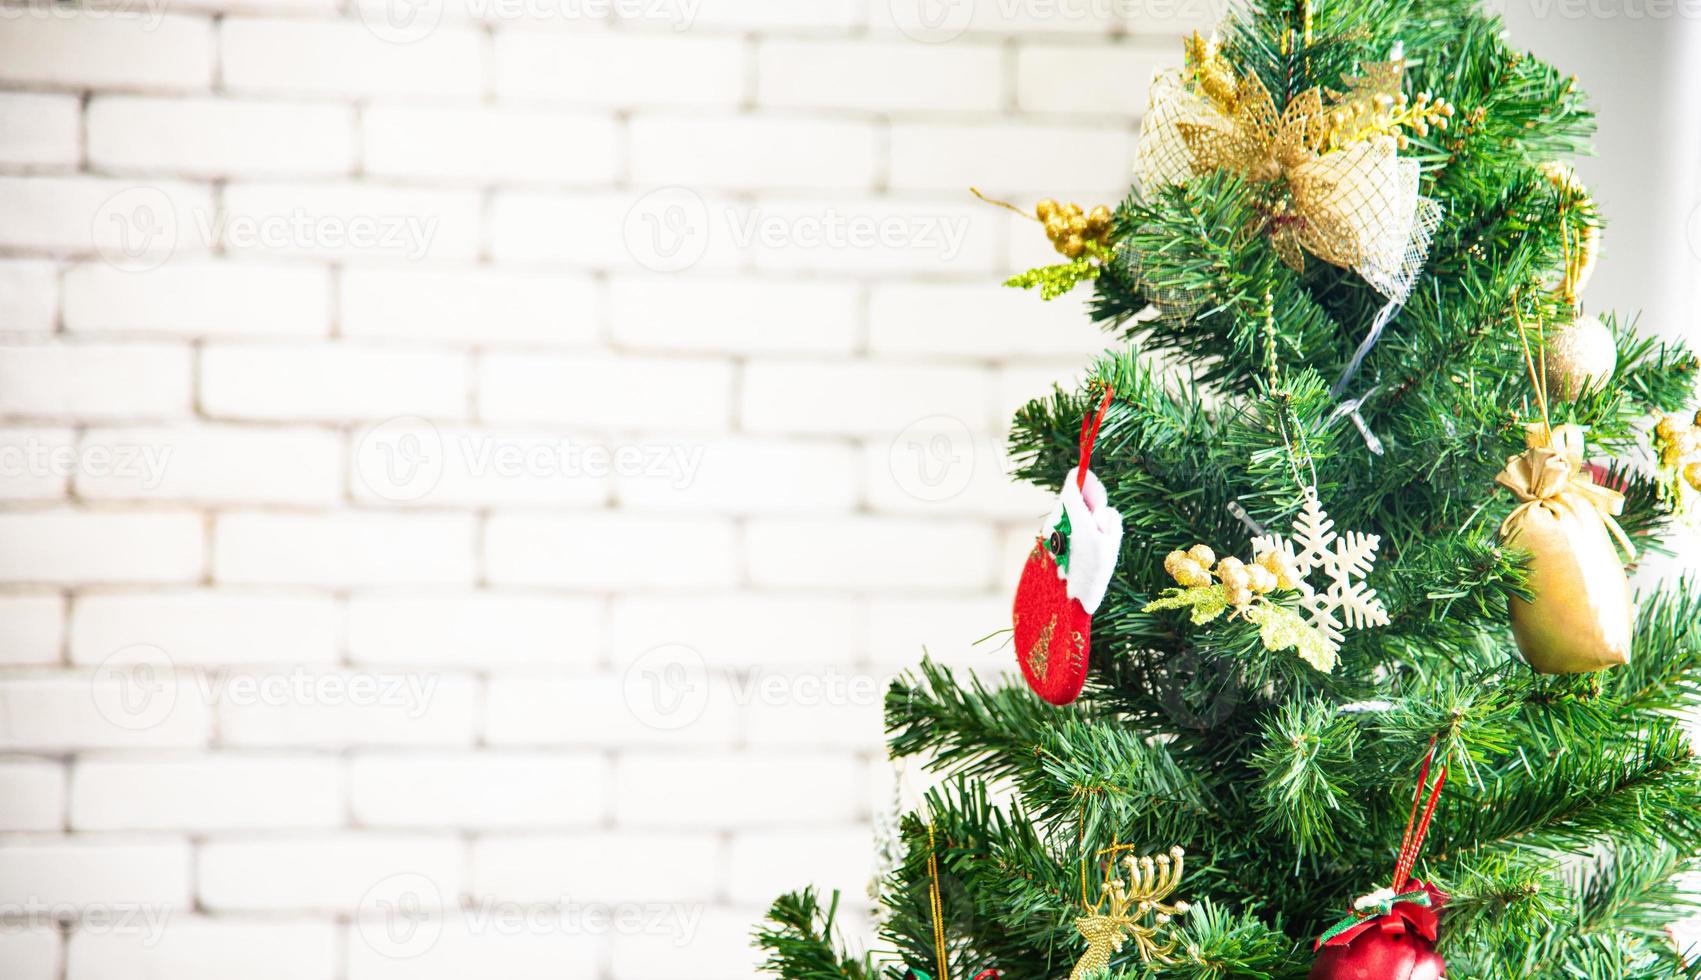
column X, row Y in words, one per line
column 1132, row 908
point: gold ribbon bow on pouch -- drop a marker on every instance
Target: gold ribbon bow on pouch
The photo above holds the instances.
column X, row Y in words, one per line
column 1579, row 616
column 1334, row 183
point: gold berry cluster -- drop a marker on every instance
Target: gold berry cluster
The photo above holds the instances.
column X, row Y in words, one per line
column 1387, row 111
column 1070, row 229
column 1679, row 445
column 1269, row 571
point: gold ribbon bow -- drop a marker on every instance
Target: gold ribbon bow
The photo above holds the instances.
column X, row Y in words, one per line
column 1550, row 474
column 1336, row 186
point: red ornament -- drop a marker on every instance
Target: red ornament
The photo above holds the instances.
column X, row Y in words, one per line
column 1065, row 578
column 1053, row 632
column 1390, row 935
column 1396, row 946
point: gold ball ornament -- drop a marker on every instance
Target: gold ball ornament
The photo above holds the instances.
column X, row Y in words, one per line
column 1580, row 355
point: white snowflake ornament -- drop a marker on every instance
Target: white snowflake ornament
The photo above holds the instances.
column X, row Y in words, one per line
column 1346, row 559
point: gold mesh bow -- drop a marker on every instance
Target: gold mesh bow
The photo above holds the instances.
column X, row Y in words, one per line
column 1333, row 181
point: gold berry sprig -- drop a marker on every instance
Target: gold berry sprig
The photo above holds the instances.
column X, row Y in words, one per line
column 1387, row 113
column 1070, row 229
column 1241, row 582
column 1679, row 445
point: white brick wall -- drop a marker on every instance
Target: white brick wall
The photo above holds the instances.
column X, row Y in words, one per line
column 496, row 459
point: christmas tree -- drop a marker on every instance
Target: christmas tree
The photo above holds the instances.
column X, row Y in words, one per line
column 1332, row 663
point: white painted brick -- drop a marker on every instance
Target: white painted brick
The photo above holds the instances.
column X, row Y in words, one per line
column 136, row 223
column 344, row 58
column 947, row 629
column 33, row 633
column 1001, row 158
column 770, row 863
column 41, row 130
column 1114, row 79
column 608, row 551
column 351, row 221
column 1023, row 382
column 125, row 48
column 324, row 7
column 753, row 152
column 29, row 296
column 479, row 790
column 32, row 796
column 607, row 867
column 201, row 793
column 1015, row 543
column 95, row 381
column 321, row 873
column 205, row 626
column 487, row 145
column 619, row 68
column 648, row 704
column 814, row 705
column 36, row 463
column 476, row 629
column 204, row 298
column 604, row 389
column 1176, row 17
column 102, row 708
column 747, row 790
column 741, row 629
column 331, row 382
column 97, row 871
column 343, row 549
column 860, row 396
column 475, row 306
column 476, row 467
column 958, row 319
column 31, row 953
column 773, row 13
column 1019, row 18
column 217, row 137
column 230, row 464
column 90, row 547
column 484, row 942
column 868, row 553
column 666, row 229
column 740, row 476
column 891, row 76
column 947, row 471
column 199, row 948
column 715, row 944
column 338, row 708
column 667, row 313
column 876, row 235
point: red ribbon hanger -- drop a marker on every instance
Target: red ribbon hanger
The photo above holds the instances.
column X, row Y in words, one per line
column 1090, row 434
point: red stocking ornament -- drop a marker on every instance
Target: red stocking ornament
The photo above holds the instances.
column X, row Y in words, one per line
column 1065, row 579
column 1390, row 934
